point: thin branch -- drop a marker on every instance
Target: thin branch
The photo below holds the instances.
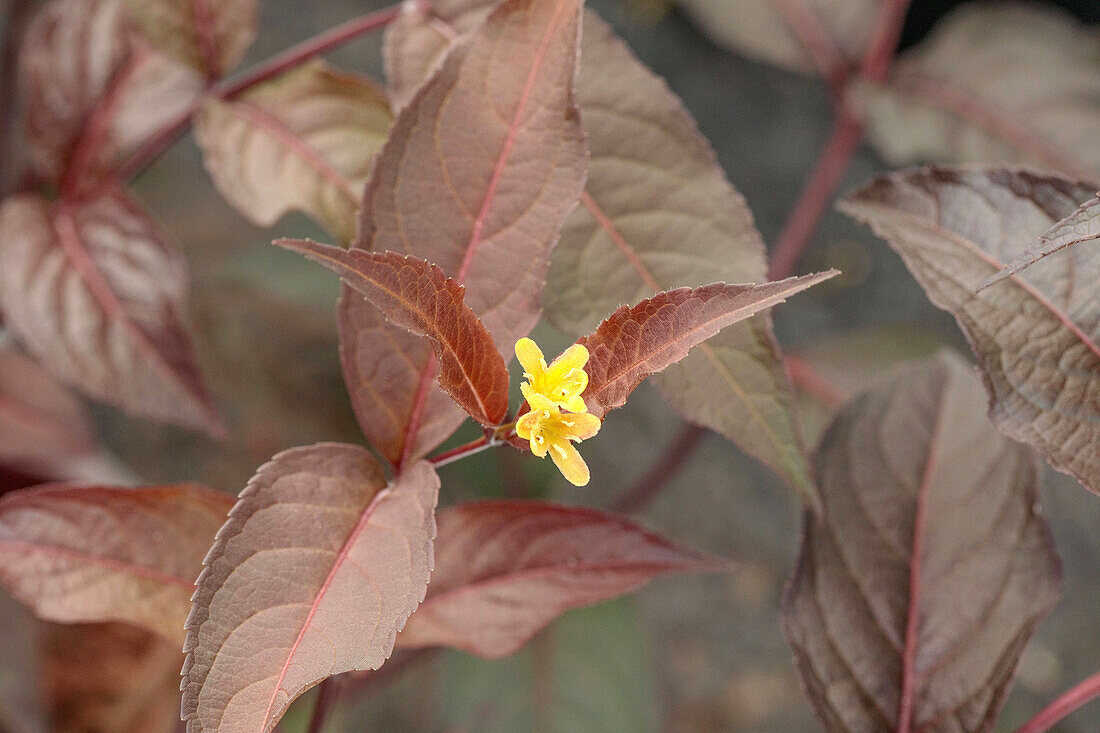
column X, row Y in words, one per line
column 816, row 195
column 278, row 64
column 638, row 496
column 1065, row 704
column 884, row 40
column 462, row 451
column 808, row 379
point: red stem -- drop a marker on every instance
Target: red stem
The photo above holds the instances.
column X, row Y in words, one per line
column 884, row 40
column 816, row 195
column 1065, row 704
column 805, row 377
column 468, row 449
column 292, row 57
column 679, row 450
column 327, row 693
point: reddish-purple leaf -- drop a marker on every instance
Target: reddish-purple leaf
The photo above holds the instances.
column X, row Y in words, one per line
column 96, row 292
column 43, row 428
column 317, row 569
column 80, row 554
column 505, row 569
column 636, row 341
column 382, row 368
column 417, row 296
column 481, row 168
column 210, row 36
column 929, row 566
column 93, row 90
column 1079, row 227
column 1037, row 333
column 109, row 678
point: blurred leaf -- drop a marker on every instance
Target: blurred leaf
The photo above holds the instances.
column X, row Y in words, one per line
column 764, row 30
column 637, row 341
column 1079, row 227
column 505, row 569
column 929, row 567
column 1036, row 333
column 995, row 83
column 480, row 170
column 589, row 672
column 109, row 678
column 319, row 565
column 20, row 698
column 210, row 36
column 93, row 91
column 303, row 141
column 658, row 213
column 96, row 293
column 43, row 428
column 417, row 296
column 80, row 554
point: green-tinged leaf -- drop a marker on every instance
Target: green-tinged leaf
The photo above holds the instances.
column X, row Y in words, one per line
column 303, row 141
column 96, row 292
column 85, row 554
column 589, row 672
column 210, row 36
column 658, row 213
column 637, row 341
column 505, row 569
column 929, row 566
column 319, row 565
column 995, row 83
column 417, row 296
column 773, row 30
column 1036, row 332
column 482, row 167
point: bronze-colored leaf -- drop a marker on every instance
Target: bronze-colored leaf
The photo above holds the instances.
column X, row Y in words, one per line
column 419, row 39
column 929, row 567
column 1036, row 332
column 95, row 292
column 481, row 168
column 43, row 428
column 210, row 36
column 765, row 29
column 93, row 92
column 416, row 296
column 995, row 83
column 658, row 213
column 505, row 569
column 1079, row 227
column 319, row 566
column 109, row 678
column 636, row 341
column 384, row 390
column 81, row 554
column 303, row 141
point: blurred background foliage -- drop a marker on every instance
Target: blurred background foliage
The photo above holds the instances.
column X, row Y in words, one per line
column 686, row 654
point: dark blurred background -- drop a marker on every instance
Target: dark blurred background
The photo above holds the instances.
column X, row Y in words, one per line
column 686, row 654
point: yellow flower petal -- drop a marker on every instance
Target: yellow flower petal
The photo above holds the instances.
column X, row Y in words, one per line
column 530, row 357
column 579, row 426
column 527, row 424
column 575, row 357
column 537, row 400
column 575, row 404
column 569, row 462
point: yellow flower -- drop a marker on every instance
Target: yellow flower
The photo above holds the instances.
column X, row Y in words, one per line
column 561, row 383
column 554, row 432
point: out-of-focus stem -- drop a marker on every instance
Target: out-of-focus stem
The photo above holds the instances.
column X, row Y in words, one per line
column 807, row 27
column 292, row 57
column 638, row 496
column 1065, row 704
